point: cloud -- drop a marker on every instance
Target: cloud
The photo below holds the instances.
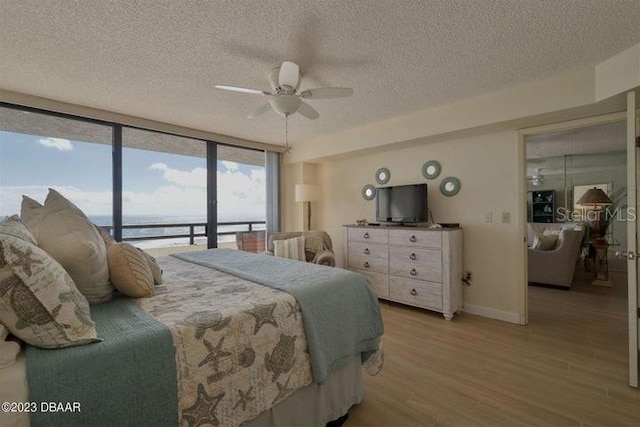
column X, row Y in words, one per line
column 90, row 202
column 240, row 196
column 196, row 177
column 57, row 143
column 232, row 166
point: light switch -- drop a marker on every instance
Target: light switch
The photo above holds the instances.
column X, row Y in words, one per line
column 506, row 217
column 488, row 217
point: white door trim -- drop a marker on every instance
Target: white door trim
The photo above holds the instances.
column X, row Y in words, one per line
column 632, row 237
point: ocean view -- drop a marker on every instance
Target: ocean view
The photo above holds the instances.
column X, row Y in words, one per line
column 107, row 220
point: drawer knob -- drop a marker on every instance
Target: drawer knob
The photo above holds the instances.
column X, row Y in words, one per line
column 412, row 257
column 412, row 239
column 413, row 272
column 366, row 251
column 366, row 235
column 366, row 264
column 413, row 292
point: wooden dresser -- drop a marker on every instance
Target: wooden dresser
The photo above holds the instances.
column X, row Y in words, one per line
column 416, row 266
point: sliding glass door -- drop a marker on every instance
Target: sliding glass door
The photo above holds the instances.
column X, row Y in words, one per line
column 153, row 189
column 164, row 189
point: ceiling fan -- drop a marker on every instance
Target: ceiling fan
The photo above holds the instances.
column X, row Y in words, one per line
column 284, row 97
column 537, row 178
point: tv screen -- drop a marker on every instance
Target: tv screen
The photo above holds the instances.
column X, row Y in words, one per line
column 402, row 204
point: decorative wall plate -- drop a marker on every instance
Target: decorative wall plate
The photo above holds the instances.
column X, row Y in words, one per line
column 450, row 186
column 383, row 175
column 368, row 192
column 431, row 169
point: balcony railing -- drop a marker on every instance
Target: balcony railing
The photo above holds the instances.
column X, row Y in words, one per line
column 192, row 234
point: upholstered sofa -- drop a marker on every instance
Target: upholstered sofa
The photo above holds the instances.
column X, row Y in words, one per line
column 555, row 266
column 317, row 245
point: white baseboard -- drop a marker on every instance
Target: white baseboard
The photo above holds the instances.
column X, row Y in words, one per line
column 492, row 313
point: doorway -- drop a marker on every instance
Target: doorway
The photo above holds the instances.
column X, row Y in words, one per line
column 589, row 322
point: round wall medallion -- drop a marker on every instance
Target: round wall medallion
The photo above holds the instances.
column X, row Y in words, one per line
column 450, row 186
column 431, row 169
column 383, row 175
column 368, row 192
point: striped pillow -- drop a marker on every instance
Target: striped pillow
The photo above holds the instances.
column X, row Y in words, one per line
column 129, row 270
column 290, row 248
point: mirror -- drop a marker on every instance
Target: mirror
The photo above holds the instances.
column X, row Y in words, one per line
column 368, row 192
column 383, row 175
column 431, row 169
column 450, row 186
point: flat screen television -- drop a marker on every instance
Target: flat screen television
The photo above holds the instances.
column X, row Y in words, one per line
column 402, row 204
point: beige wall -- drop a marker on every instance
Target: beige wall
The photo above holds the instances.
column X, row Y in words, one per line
column 486, row 166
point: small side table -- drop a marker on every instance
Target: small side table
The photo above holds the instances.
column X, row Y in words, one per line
column 601, row 265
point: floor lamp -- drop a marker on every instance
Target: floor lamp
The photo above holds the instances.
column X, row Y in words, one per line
column 307, row 193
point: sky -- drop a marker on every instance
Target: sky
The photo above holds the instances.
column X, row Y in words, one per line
column 154, row 183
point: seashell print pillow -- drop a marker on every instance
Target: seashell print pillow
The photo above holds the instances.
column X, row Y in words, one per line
column 129, row 270
column 39, row 303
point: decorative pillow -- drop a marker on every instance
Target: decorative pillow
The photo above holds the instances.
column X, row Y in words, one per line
column 13, row 226
column 66, row 234
column 156, row 271
column 30, row 213
column 153, row 264
column 129, row 270
column 106, row 237
column 290, row 248
column 546, row 242
column 39, row 302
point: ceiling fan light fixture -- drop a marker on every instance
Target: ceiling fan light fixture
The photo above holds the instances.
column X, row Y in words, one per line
column 285, row 104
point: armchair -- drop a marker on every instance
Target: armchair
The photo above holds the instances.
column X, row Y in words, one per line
column 557, row 266
column 317, row 245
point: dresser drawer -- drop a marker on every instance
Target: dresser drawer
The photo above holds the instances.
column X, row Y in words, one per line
column 414, row 292
column 378, row 282
column 416, row 238
column 373, row 235
column 422, row 264
column 373, row 250
column 368, row 263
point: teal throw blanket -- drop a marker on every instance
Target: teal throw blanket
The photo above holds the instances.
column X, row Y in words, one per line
column 341, row 314
column 129, row 379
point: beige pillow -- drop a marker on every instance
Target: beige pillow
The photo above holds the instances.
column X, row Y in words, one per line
column 156, row 271
column 39, row 302
column 290, row 248
column 106, row 237
column 153, row 264
column 546, row 242
column 129, row 270
column 65, row 233
column 30, row 213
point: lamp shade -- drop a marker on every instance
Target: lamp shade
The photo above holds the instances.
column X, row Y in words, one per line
column 594, row 196
column 307, row 193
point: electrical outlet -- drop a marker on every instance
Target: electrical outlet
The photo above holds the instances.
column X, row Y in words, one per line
column 467, row 278
column 488, row 217
column 506, row 217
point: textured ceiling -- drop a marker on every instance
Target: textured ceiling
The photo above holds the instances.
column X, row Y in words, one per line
column 603, row 138
column 159, row 59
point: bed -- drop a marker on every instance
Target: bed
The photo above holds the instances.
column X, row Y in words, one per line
column 230, row 338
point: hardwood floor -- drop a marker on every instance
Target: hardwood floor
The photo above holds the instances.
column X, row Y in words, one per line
column 568, row 367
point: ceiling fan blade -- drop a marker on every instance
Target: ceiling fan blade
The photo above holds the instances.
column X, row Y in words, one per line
column 308, row 111
column 327, row 93
column 289, row 74
column 242, row 89
column 259, row 111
